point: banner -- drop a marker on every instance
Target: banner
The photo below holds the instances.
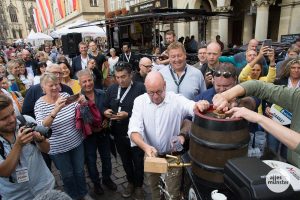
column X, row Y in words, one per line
column 61, row 8
column 49, row 12
column 73, row 5
column 42, row 11
column 37, row 21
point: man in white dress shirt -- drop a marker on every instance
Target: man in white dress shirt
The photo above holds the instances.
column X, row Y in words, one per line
column 155, row 125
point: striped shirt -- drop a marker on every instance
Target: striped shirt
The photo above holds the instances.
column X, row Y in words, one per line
column 65, row 136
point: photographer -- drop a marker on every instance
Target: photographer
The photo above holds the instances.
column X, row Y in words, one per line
column 23, row 174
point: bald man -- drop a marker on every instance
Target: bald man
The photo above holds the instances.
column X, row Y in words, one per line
column 213, row 54
column 239, row 60
column 155, row 125
column 145, row 66
column 30, row 64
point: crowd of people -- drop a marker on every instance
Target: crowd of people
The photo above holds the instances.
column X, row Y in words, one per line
column 145, row 104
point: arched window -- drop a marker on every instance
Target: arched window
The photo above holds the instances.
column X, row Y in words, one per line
column 12, row 10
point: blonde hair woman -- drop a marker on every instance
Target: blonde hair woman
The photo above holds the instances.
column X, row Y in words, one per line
column 66, row 142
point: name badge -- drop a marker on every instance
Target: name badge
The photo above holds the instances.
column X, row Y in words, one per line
column 281, row 115
column 22, row 175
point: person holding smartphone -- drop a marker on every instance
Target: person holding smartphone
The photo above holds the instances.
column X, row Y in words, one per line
column 54, row 111
column 118, row 108
column 212, row 55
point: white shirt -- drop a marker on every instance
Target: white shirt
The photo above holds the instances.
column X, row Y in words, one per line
column 112, row 62
column 157, row 124
column 84, row 62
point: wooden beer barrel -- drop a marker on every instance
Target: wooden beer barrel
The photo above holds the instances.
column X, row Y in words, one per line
column 213, row 141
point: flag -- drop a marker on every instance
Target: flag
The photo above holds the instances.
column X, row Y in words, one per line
column 49, row 12
column 73, row 4
column 41, row 9
column 61, row 8
column 37, row 21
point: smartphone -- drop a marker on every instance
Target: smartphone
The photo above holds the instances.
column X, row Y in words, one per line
column 72, row 98
column 268, row 43
column 114, row 113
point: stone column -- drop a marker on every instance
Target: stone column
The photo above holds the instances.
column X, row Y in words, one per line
column 248, row 28
column 193, row 27
column 262, row 16
column 223, row 24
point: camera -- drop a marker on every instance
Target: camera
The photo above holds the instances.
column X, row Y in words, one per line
column 44, row 131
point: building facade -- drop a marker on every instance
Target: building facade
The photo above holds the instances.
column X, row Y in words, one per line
column 248, row 19
column 89, row 10
column 16, row 19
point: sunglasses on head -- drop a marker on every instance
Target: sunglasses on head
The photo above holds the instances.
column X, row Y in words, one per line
column 224, row 74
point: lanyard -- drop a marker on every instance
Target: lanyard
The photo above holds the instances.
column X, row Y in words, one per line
column 123, row 96
column 128, row 57
column 180, row 80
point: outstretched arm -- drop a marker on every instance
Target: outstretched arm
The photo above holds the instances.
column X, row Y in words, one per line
column 287, row 136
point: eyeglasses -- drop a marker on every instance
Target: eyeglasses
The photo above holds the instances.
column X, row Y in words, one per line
column 148, row 66
column 158, row 92
column 224, row 74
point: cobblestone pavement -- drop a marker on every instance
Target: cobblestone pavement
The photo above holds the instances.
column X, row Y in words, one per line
column 118, row 176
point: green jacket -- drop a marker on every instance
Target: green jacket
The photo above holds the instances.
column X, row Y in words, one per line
column 283, row 96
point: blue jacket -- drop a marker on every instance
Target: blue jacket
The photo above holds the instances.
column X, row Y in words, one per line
column 99, row 100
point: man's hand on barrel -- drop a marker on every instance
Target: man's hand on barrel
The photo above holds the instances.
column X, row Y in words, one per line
column 150, row 151
column 242, row 112
column 221, row 103
column 201, row 106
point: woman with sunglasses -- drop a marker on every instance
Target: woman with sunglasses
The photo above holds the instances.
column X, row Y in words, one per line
column 289, row 77
column 254, row 70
